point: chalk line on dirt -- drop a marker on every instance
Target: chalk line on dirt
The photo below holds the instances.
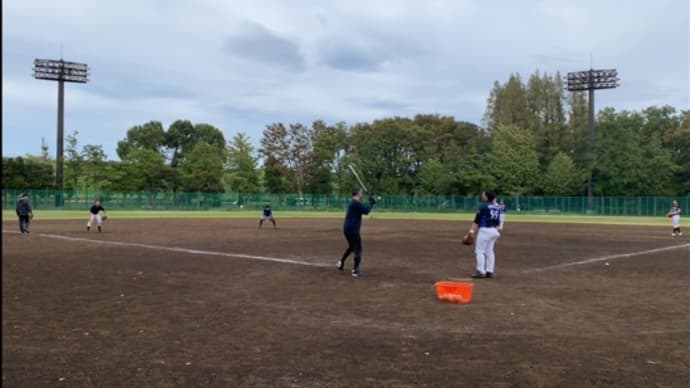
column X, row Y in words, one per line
column 178, row 249
column 606, row 258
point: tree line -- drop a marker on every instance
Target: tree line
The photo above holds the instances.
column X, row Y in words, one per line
column 532, row 141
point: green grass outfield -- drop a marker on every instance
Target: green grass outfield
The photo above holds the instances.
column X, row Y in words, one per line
column 8, row 215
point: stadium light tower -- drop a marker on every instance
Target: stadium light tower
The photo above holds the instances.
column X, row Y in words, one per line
column 591, row 80
column 60, row 71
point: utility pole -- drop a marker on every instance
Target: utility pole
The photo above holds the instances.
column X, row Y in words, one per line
column 591, row 80
column 60, row 71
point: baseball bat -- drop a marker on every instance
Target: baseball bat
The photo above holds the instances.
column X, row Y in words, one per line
column 364, row 188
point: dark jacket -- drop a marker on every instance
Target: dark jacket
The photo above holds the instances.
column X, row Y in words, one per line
column 23, row 207
column 353, row 217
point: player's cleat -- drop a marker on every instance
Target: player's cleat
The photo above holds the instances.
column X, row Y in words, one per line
column 99, row 229
column 88, row 228
column 339, row 266
column 478, row 275
column 489, row 274
column 673, row 234
column 356, row 273
column 680, row 234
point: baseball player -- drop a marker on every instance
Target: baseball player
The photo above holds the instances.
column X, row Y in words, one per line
column 95, row 214
column 351, row 229
column 25, row 213
column 268, row 215
column 487, row 220
column 674, row 213
column 502, row 214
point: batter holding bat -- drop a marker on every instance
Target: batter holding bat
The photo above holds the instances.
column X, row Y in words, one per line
column 351, row 229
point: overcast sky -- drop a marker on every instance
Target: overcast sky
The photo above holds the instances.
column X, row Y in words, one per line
column 240, row 65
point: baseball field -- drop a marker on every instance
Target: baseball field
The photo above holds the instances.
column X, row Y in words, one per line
column 189, row 301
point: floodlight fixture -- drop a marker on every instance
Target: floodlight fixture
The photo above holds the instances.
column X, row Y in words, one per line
column 61, row 71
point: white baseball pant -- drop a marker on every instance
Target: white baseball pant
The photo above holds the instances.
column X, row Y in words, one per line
column 94, row 217
column 484, row 249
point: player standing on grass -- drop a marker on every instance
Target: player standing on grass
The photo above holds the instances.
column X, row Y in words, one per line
column 25, row 213
column 95, row 214
column 268, row 215
column 487, row 220
column 351, row 228
column 674, row 214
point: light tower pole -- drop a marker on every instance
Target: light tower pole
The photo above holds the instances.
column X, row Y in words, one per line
column 60, row 71
column 591, row 80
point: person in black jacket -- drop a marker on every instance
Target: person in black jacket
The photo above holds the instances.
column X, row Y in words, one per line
column 24, row 212
column 351, row 228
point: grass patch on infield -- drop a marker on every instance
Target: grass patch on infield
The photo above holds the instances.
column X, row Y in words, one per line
column 8, row 215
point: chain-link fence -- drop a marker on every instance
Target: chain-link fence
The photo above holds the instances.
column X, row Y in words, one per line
column 76, row 200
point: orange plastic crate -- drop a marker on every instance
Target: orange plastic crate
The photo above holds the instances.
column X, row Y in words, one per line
column 454, row 292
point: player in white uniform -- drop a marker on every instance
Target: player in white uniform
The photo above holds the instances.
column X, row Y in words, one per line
column 95, row 215
column 674, row 213
column 487, row 222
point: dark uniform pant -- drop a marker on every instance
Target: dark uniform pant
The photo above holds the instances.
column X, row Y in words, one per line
column 24, row 223
column 354, row 244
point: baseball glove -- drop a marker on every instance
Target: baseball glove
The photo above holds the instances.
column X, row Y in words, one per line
column 468, row 239
column 104, row 218
column 31, row 216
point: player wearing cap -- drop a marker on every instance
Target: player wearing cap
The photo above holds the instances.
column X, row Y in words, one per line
column 351, row 229
column 267, row 215
column 487, row 220
column 95, row 215
column 24, row 212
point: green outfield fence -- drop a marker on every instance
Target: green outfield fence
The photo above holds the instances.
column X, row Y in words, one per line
column 75, row 200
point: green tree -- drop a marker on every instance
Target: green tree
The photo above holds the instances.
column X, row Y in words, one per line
column 143, row 161
column 578, row 124
column 507, row 104
column 562, row 177
column 243, row 176
column 275, row 176
column 545, row 104
column 202, row 169
column 74, row 162
column 674, row 131
column 323, row 160
column 146, row 168
column 44, row 150
column 150, row 136
column 291, row 148
column 433, row 178
column 94, row 162
column 514, row 160
column 183, row 136
column 27, row 173
column 658, row 168
column 619, row 165
column 384, row 152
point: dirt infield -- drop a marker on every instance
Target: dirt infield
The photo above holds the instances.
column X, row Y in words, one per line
column 220, row 303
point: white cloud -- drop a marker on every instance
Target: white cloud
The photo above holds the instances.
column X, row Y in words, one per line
column 242, row 65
